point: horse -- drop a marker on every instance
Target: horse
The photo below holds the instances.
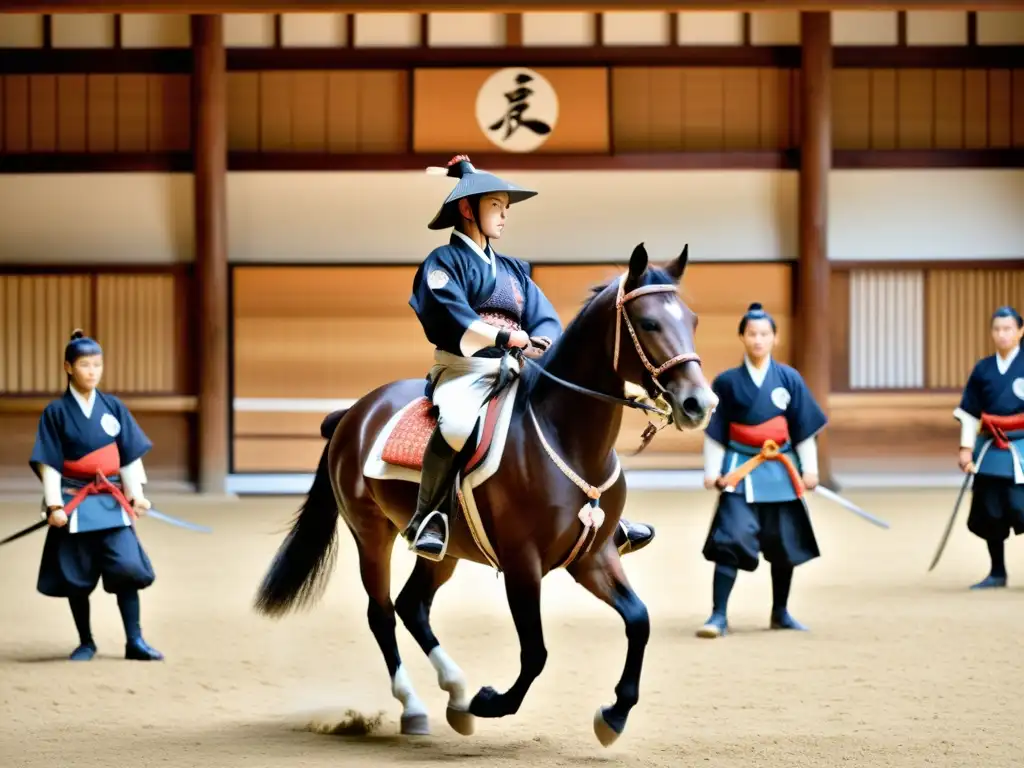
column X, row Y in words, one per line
column 530, row 507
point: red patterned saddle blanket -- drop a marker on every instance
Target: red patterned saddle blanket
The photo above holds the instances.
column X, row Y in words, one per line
column 407, row 443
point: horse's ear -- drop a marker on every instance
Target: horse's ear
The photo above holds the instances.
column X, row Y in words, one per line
column 637, row 262
column 677, row 267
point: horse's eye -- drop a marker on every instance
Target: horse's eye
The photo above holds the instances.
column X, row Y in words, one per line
column 650, row 325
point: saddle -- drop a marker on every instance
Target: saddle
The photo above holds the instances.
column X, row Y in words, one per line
column 407, row 443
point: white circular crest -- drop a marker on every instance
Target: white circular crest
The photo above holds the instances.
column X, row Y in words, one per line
column 1018, row 388
column 437, row 279
column 517, row 109
column 110, row 424
column 781, row 398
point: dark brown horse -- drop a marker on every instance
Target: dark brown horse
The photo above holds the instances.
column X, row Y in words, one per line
column 530, row 509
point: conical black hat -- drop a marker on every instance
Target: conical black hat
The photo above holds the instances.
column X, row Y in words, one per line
column 471, row 182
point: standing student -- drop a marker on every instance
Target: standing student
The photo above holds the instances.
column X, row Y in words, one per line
column 991, row 415
column 760, row 452
column 88, row 455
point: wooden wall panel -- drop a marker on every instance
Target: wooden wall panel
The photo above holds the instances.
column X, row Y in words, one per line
column 137, row 319
column 16, row 114
column 318, row 111
column 324, row 332
column 94, row 113
column 928, row 109
column 839, row 324
column 886, row 316
column 37, row 315
column 141, row 320
column 959, row 304
column 339, row 332
column 671, row 109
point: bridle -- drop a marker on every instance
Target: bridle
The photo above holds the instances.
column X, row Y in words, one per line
column 621, row 316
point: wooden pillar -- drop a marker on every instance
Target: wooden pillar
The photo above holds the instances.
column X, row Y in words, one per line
column 209, row 147
column 811, row 350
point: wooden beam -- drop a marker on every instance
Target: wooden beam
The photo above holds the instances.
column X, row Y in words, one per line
column 811, row 355
column 733, row 159
column 209, row 142
column 27, row 61
column 514, row 6
column 514, row 30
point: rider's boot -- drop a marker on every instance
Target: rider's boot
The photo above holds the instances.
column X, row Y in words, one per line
column 632, row 537
column 427, row 532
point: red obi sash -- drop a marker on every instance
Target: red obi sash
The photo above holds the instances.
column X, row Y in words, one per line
column 95, row 467
column 767, row 436
column 998, row 426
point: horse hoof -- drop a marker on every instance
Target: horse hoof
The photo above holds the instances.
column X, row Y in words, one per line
column 461, row 721
column 415, row 725
column 605, row 733
column 487, row 703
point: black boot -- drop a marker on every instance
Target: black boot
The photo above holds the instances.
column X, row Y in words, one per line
column 80, row 611
column 427, row 532
column 717, row 625
column 135, row 648
column 632, row 537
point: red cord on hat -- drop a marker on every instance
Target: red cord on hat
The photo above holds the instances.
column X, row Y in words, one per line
column 456, row 159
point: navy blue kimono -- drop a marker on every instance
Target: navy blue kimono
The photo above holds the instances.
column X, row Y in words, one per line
column 766, row 511
column 99, row 539
column 997, row 401
column 452, row 289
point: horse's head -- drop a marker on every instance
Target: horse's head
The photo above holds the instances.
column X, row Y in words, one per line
column 655, row 339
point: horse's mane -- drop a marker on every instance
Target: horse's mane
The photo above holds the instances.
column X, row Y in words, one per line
column 531, row 375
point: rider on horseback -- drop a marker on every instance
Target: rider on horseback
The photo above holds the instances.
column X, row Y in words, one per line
column 474, row 304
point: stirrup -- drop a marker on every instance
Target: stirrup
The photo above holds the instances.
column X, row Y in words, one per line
column 444, row 537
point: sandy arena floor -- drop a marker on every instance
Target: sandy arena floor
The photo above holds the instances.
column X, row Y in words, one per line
column 901, row 668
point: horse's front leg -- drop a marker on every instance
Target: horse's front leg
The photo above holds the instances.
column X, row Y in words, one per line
column 522, row 587
column 601, row 574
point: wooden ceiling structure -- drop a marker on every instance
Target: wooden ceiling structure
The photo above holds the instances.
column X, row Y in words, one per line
column 209, row 140
column 513, row 6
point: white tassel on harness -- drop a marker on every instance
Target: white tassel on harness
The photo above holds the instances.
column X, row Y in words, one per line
column 590, row 515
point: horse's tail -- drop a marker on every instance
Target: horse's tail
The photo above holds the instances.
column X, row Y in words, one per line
column 303, row 564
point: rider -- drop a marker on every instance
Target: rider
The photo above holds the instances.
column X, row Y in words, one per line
column 473, row 304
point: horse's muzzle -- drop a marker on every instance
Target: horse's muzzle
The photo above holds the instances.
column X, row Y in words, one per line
column 692, row 406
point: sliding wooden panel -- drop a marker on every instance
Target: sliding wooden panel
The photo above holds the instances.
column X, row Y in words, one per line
column 95, row 113
column 37, row 315
column 927, row 109
column 959, row 304
column 138, row 325
column 887, row 329
column 670, row 109
column 325, row 332
column 318, row 111
column 839, row 323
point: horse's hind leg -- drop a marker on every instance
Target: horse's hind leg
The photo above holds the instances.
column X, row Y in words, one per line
column 374, row 542
column 601, row 574
column 413, row 608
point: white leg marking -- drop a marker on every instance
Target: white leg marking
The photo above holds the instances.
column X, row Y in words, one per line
column 401, row 689
column 450, row 678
